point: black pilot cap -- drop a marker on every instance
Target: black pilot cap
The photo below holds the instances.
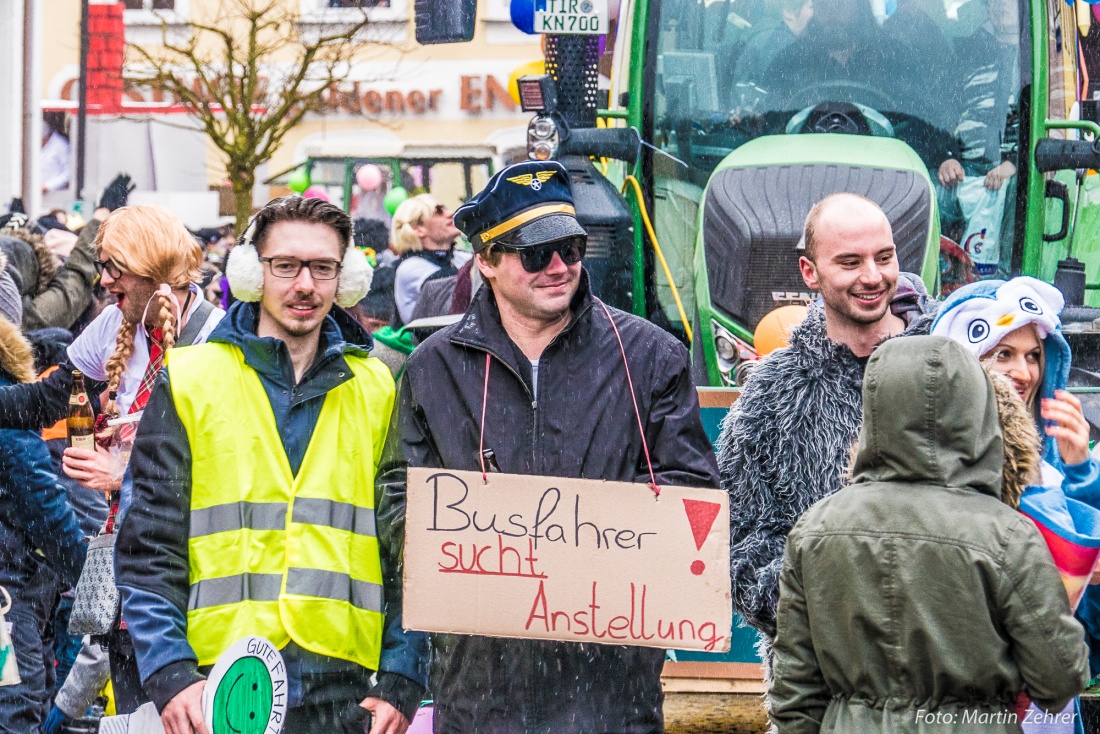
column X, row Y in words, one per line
column 527, row 204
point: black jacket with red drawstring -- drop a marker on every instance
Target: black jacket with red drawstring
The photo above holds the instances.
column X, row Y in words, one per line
column 580, row 423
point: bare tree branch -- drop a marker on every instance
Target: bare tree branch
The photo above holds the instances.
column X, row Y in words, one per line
column 230, row 76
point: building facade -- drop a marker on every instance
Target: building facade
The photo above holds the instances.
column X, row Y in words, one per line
column 432, row 117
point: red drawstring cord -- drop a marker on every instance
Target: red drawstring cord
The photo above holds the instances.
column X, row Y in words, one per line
column 481, row 440
column 637, row 413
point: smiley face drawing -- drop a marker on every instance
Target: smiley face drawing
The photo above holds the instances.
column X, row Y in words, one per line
column 242, row 704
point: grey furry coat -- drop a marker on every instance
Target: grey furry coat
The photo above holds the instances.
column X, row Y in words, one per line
column 786, row 444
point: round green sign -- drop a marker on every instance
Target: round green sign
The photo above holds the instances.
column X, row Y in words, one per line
column 242, row 704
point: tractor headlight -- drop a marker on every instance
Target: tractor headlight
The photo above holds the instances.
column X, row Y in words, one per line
column 541, row 152
column 542, row 138
column 733, row 354
column 537, row 93
column 543, row 128
column 726, row 351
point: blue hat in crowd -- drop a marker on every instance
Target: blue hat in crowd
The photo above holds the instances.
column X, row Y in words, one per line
column 523, row 205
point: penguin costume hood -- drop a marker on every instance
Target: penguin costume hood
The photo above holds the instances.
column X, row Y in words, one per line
column 979, row 315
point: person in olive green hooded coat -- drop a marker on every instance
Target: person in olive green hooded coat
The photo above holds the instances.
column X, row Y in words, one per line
column 915, row 599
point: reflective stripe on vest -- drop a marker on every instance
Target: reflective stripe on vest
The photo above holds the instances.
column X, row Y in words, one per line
column 289, row 557
column 234, row 589
column 266, row 587
column 272, row 516
column 340, row 515
column 237, row 515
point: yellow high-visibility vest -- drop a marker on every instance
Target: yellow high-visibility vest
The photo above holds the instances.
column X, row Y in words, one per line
column 273, row 554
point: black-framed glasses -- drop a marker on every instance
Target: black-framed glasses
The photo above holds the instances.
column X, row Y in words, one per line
column 289, row 267
column 109, row 266
column 536, row 258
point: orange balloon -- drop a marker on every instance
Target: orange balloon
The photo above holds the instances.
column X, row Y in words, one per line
column 774, row 330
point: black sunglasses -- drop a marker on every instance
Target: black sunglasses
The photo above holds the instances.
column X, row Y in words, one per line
column 438, row 211
column 534, row 259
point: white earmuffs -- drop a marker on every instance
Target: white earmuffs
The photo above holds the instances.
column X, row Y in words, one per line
column 245, row 273
column 356, row 275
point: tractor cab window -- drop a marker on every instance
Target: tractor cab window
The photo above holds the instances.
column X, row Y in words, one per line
column 943, row 76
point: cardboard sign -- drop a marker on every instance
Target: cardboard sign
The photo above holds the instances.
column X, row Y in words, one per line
column 567, row 559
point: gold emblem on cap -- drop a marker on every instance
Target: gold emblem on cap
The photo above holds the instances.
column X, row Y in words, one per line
column 534, row 180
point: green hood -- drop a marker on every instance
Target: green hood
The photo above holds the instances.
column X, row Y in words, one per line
column 929, row 417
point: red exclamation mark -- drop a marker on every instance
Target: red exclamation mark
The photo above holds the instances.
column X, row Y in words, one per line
column 701, row 517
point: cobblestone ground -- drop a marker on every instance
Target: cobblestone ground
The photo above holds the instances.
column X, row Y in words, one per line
column 714, row 713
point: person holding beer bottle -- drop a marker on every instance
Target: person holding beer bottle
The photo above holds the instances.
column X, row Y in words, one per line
column 150, row 263
column 34, row 516
column 41, row 405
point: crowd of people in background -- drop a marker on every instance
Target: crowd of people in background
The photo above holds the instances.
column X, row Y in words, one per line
column 83, row 298
column 902, row 577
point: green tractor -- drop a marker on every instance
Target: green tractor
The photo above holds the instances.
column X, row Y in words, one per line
column 951, row 115
column 971, row 122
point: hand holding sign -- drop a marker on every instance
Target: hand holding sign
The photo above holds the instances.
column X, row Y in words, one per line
column 567, row 559
column 246, row 693
column 183, row 714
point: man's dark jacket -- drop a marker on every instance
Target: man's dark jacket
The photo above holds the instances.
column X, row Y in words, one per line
column 581, row 423
column 34, row 511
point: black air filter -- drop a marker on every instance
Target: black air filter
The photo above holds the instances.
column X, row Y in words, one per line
column 603, row 212
column 571, row 60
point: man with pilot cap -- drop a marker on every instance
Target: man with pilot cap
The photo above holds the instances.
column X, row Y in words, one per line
column 546, row 363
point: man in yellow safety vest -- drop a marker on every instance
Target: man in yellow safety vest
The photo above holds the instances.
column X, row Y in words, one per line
column 253, row 489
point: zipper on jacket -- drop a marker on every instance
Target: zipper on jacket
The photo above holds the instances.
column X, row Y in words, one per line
column 535, row 436
column 519, row 377
column 535, row 432
column 534, row 402
column 535, row 418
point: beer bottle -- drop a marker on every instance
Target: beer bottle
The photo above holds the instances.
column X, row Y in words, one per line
column 81, row 422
